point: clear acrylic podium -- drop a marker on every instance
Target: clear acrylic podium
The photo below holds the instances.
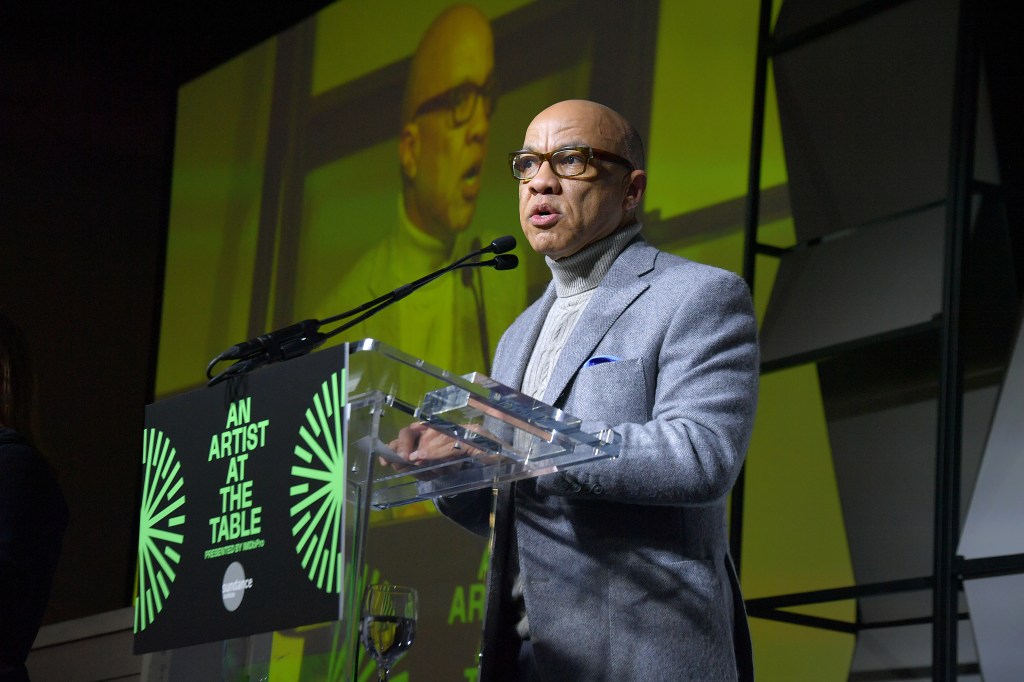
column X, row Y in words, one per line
column 330, row 416
column 506, row 435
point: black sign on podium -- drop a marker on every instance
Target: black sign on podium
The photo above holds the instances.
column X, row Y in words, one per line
column 257, row 492
column 244, row 512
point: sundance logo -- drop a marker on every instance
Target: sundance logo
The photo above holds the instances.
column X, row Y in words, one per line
column 233, row 588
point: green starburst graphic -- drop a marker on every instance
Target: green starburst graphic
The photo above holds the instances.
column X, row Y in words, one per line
column 318, row 486
column 161, row 510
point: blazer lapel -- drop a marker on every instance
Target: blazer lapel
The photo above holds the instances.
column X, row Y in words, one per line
column 619, row 288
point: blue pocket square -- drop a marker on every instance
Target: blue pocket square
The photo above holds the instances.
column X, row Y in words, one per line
column 600, row 359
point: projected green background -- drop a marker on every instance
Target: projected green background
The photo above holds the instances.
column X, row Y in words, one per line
column 286, row 171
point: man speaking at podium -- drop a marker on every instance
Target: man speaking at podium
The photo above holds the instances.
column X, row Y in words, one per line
column 616, row 570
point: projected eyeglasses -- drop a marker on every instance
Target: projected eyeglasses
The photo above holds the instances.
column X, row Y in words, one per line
column 461, row 101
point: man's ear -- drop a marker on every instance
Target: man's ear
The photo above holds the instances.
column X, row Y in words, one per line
column 409, row 150
column 634, row 190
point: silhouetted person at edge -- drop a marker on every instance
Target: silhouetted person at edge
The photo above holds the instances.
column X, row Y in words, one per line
column 33, row 514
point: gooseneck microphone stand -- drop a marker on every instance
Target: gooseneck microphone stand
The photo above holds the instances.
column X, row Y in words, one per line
column 305, row 336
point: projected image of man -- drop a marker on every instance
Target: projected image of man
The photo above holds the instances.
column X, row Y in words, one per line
column 448, row 101
column 447, row 107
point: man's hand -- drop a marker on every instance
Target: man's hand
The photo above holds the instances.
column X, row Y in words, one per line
column 419, row 444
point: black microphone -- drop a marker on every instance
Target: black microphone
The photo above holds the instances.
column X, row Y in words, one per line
column 505, row 261
column 302, row 337
column 370, row 308
column 501, row 245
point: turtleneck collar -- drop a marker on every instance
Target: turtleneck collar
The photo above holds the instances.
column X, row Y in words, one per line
column 584, row 270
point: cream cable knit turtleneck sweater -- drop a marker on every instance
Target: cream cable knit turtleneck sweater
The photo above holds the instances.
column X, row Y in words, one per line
column 576, row 277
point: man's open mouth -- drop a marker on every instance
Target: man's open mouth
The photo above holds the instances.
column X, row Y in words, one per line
column 470, row 183
column 544, row 216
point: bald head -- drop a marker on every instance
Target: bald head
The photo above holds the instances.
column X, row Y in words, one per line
column 602, row 123
column 452, row 51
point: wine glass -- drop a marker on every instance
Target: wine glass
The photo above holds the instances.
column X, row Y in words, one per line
column 388, row 624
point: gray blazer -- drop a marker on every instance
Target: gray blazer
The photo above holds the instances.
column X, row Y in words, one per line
column 625, row 562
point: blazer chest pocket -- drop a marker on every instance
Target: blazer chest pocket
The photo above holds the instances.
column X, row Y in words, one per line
column 612, row 392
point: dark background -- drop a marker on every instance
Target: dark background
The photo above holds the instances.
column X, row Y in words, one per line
column 87, row 105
